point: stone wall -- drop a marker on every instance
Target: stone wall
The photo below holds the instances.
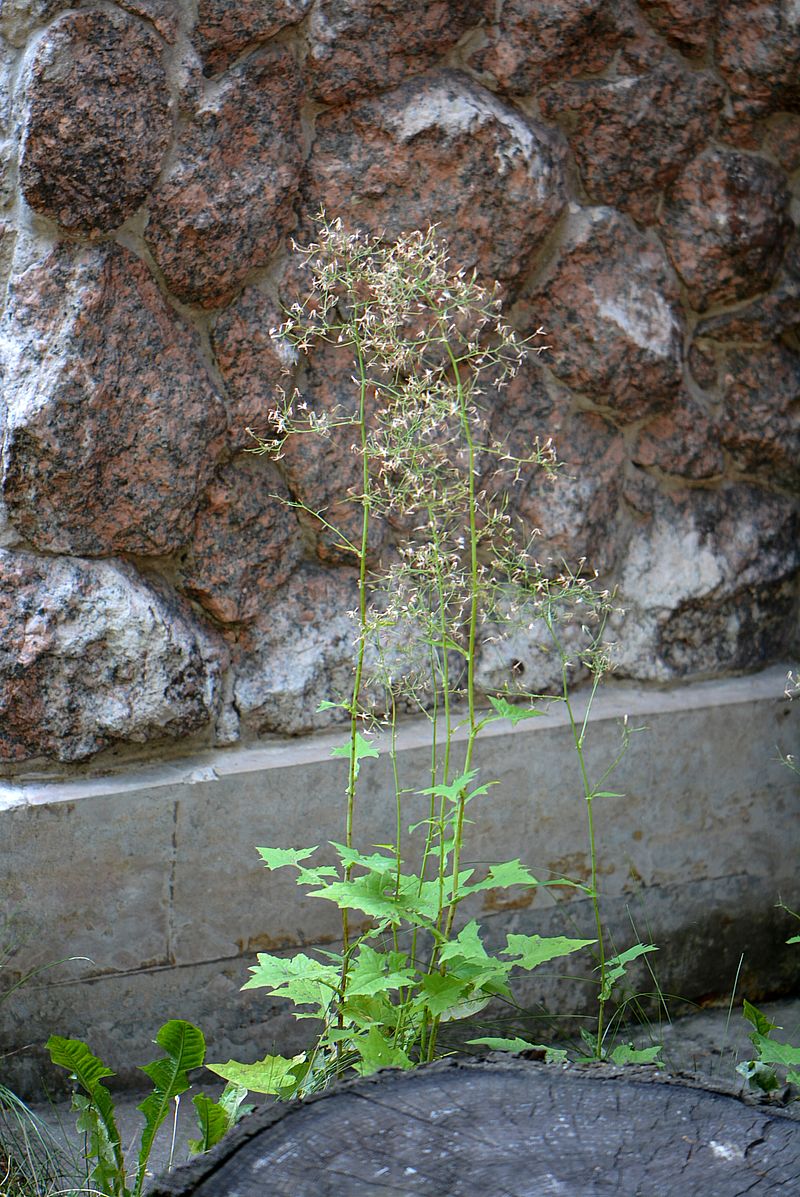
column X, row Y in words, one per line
column 625, row 170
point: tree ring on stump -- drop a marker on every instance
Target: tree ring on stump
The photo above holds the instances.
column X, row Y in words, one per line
column 505, row 1128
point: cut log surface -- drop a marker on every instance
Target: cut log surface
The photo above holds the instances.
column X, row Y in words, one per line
column 510, row 1128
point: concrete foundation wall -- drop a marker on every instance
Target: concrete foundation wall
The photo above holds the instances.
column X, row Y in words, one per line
column 152, row 874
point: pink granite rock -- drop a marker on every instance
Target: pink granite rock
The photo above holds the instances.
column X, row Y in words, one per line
column 575, row 512
column 709, row 583
column 632, row 135
column 683, row 442
column 113, row 425
column 253, row 364
column 760, row 420
column 91, row 655
column 298, row 653
column 782, row 139
column 609, row 305
column 97, row 121
column 763, row 320
column 225, row 29
column 758, row 53
column 246, row 541
column 359, row 46
column 227, row 202
column 690, row 24
column 535, row 42
column 702, row 363
column 19, row 18
column 725, row 226
column 442, row 151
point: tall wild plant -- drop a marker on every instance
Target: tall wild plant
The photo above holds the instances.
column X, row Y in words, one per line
column 430, row 348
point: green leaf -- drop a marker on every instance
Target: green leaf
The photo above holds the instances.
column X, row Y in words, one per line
column 772, row 1052
column 108, row 1171
column 503, row 1045
column 626, row 1053
column 279, row 858
column 794, row 939
column 212, row 1122
column 507, row 710
column 332, row 706
column 552, row 1055
column 533, row 950
column 215, row 1119
column 456, row 789
column 376, row 1052
column 376, row 862
column 503, row 876
column 361, row 748
column 606, row 794
column 441, row 993
column 304, row 980
column 760, row 1021
column 186, row 1049
column 277, row 1075
column 96, row 1110
column 616, row 966
column 374, row 895
column 758, row 1076
column 467, row 945
column 377, row 972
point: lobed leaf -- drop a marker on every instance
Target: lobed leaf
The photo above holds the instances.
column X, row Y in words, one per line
column 533, row 950
column 276, row 1075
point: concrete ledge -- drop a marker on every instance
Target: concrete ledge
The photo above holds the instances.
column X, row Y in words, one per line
column 152, row 874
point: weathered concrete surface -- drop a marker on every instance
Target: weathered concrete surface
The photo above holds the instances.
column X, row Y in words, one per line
column 697, row 852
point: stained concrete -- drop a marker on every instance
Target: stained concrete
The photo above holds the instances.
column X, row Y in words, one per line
column 151, row 873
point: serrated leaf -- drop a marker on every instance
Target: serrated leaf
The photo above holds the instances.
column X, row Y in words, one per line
column 508, row 710
column 377, row 1052
column 96, row 1109
column 503, row 876
column 552, row 1055
column 455, row 790
column 439, row 993
column 361, row 748
column 616, row 966
column 760, row 1021
column 186, row 1049
column 375, row 862
column 280, row 858
column 374, row 894
column 502, row 1045
column 276, row 1075
column 304, row 980
column 533, row 950
column 377, row 972
column 626, row 1053
column 467, row 945
column 773, row 1052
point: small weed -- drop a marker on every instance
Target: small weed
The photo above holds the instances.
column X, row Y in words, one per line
column 184, row 1045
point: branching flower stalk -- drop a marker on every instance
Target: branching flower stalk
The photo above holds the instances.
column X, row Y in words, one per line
column 431, row 350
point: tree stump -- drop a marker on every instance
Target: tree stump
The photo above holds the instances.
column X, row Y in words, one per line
column 505, row 1128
